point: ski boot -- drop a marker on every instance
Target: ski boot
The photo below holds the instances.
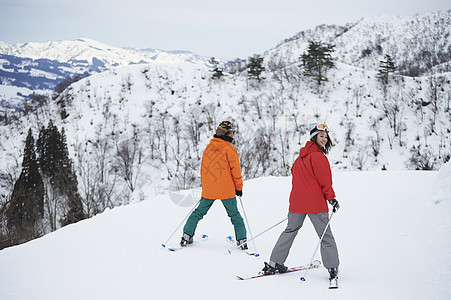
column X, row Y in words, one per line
column 277, row 268
column 242, row 243
column 186, row 240
column 333, row 272
column 333, row 278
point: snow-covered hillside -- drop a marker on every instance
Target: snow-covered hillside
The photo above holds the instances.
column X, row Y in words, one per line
column 420, row 45
column 27, row 68
column 38, row 67
column 392, row 232
column 164, row 115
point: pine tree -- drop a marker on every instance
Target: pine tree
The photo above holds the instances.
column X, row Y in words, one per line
column 47, row 149
column 56, row 165
column 317, row 60
column 386, row 67
column 69, row 182
column 255, row 67
column 27, row 201
column 217, row 71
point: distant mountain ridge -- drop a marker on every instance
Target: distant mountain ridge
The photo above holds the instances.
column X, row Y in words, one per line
column 38, row 67
column 89, row 51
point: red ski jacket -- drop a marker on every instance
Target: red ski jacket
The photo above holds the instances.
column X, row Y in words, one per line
column 311, row 182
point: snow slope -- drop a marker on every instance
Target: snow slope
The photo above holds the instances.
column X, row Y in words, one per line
column 393, row 233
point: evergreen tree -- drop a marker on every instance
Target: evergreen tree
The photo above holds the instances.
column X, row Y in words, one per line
column 386, row 67
column 317, row 60
column 255, row 67
column 217, row 71
column 49, row 151
column 69, row 182
column 27, row 201
column 56, row 165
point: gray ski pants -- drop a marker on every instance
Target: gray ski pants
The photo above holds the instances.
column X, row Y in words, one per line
column 329, row 251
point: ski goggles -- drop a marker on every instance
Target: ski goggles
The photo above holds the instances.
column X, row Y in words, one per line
column 318, row 128
column 228, row 125
column 322, row 127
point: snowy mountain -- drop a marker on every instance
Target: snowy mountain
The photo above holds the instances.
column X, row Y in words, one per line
column 38, row 67
column 420, row 45
column 392, row 232
column 139, row 130
column 95, row 53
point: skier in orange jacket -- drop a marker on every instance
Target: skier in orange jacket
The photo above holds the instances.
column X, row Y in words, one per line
column 221, row 179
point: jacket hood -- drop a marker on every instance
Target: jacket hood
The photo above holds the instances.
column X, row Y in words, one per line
column 309, row 147
column 218, row 143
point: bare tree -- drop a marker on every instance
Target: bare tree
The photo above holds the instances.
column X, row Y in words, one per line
column 193, row 126
column 394, row 111
column 376, row 142
column 186, row 170
column 211, row 115
column 53, row 204
column 360, row 158
column 434, row 96
column 128, row 162
column 4, row 233
column 421, row 159
column 349, row 138
column 358, row 93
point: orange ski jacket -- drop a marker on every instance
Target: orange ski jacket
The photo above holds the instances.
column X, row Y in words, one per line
column 220, row 171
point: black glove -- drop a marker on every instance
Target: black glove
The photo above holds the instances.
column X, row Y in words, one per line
column 239, row 193
column 335, row 205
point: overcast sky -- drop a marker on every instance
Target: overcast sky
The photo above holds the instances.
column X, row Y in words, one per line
column 222, row 28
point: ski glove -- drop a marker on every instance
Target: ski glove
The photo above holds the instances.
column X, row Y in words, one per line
column 335, row 205
column 239, row 193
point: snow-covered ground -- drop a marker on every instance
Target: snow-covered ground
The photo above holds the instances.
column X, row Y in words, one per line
column 393, row 232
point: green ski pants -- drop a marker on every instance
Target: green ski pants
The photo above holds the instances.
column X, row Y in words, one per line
column 231, row 208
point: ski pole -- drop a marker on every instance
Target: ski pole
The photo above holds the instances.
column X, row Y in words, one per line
column 317, row 246
column 247, row 223
column 247, row 242
column 192, row 209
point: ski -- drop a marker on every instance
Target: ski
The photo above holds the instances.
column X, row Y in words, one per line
column 314, row 265
column 232, row 241
column 333, row 283
column 203, row 238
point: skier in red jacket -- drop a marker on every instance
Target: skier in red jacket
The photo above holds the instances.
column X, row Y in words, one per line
column 311, row 190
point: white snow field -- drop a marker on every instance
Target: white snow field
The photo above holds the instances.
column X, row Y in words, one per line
column 393, row 232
